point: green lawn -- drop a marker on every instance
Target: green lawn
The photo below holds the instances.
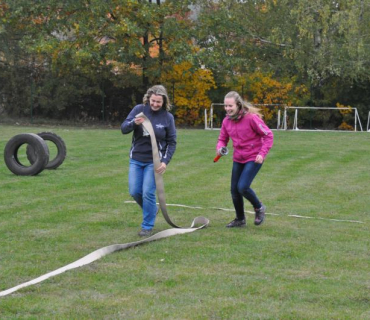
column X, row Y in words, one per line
column 289, row 268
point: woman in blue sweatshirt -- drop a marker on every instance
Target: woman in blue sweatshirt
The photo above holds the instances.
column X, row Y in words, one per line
column 156, row 106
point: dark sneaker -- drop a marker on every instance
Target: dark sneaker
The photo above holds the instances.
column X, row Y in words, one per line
column 236, row 223
column 260, row 215
column 145, row 232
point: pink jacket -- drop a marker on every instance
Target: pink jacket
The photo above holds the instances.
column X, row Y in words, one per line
column 250, row 136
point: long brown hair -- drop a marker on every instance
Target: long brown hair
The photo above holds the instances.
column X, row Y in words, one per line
column 243, row 105
column 158, row 90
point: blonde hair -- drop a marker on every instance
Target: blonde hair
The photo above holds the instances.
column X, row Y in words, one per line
column 243, row 105
column 158, row 90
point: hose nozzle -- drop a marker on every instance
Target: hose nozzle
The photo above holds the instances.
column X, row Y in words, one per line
column 223, row 151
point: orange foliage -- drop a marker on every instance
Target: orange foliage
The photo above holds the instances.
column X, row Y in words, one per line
column 190, row 92
column 345, row 126
column 154, row 50
column 345, row 111
column 3, row 8
column 266, row 90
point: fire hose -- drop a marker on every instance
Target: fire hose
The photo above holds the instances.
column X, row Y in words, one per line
column 198, row 223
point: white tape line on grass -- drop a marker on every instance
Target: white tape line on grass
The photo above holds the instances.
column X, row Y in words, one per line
column 319, row 218
column 251, row 212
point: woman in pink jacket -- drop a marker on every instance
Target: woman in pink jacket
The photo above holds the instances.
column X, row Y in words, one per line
column 252, row 140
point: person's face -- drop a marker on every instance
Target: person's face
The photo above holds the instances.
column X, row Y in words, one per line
column 230, row 106
column 156, row 102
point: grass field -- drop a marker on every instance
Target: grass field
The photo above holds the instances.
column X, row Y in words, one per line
column 316, row 267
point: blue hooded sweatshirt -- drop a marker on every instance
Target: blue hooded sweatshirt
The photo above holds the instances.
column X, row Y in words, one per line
column 165, row 132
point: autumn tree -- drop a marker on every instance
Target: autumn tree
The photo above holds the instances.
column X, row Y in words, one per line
column 88, row 48
column 323, row 44
column 84, row 57
column 190, row 87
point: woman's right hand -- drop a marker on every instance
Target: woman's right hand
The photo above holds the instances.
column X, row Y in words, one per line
column 139, row 120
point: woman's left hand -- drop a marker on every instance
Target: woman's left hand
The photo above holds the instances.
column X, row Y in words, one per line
column 259, row 159
column 161, row 169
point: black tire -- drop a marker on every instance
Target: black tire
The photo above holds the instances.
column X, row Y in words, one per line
column 61, row 147
column 41, row 154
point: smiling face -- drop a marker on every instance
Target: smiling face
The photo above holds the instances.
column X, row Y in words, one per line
column 230, row 106
column 156, row 102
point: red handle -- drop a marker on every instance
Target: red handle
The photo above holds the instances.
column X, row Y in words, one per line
column 217, row 158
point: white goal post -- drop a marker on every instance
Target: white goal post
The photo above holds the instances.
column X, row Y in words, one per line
column 208, row 122
column 214, row 114
column 295, row 122
column 209, row 117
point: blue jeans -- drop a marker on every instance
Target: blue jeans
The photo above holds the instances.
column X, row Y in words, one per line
column 241, row 179
column 141, row 183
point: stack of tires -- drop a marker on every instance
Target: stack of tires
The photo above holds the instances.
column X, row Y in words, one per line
column 37, row 153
